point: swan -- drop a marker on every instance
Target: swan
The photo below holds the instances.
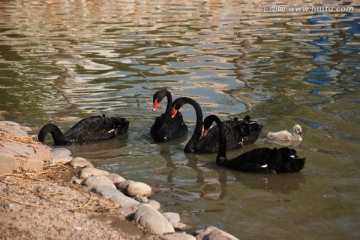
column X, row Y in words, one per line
column 166, row 128
column 238, row 133
column 262, row 160
column 294, row 135
column 87, row 130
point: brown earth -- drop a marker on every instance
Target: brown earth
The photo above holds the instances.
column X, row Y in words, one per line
column 45, row 205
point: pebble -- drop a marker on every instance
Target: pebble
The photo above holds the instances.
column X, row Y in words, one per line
column 153, row 220
column 76, row 180
column 90, row 171
column 80, row 162
column 94, row 181
column 214, row 233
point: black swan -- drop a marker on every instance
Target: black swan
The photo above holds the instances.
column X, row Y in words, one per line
column 262, row 160
column 238, row 133
column 87, row 130
column 166, row 128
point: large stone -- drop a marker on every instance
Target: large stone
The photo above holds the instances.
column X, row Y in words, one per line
column 80, row 162
column 107, row 191
column 128, row 209
column 174, row 219
column 153, row 220
column 43, row 152
column 7, row 164
column 13, row 128
column 60, row 156
column 138, row 189
column 116, row 178
column 123, row 185
column 16, row 156
column 90, row 171
column 178, row 236
column 122, row 200
column 214, row 233
column 94, row 181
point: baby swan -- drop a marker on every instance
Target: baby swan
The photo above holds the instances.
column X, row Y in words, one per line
column 294, row 135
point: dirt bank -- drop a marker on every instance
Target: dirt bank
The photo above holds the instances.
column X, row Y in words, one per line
column 44, row 205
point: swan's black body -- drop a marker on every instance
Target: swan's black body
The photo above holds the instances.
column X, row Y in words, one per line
column 262, row 160
column 90, row 129
column 166, row 128
column 238, row 133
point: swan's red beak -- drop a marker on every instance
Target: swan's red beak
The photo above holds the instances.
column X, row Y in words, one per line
column 173, row 112
column 155, row 105
column 205, row 132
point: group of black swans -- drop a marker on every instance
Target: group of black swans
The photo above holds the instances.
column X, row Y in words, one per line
column 224, row 136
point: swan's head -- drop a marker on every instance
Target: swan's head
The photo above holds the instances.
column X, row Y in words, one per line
column 174, row 112
column 158, row 97
column 297, row 129
column 155, row 104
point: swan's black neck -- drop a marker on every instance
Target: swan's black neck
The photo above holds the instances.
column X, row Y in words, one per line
column 178, row 103
column 221, row 155
column 58, row 136
column 159, row 96
column 169, row 103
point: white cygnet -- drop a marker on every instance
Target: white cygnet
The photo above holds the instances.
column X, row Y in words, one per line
column 294, row 135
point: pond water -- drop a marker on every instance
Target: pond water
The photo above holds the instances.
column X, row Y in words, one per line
column 61, row 61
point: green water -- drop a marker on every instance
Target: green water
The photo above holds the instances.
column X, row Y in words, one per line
column 61, row 61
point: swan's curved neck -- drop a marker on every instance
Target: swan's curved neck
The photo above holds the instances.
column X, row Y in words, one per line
column 169, row 103
column 221, row 155
column 191, row 145
column 58, row 136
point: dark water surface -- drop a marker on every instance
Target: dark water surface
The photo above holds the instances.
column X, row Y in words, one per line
column 61, row 61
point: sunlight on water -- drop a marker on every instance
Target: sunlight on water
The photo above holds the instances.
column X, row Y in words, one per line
column 61, row 61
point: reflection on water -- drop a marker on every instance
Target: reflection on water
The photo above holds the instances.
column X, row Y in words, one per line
column 61, row 61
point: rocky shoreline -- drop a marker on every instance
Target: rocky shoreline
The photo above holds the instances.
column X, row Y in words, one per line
column 25, row 164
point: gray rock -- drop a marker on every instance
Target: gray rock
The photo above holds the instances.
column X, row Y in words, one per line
column 128, row 209
column 123, row 185
column 174, row 219
column 142, row 199
column 214, row 233
column 94, row 181
column 177, row 236
column 116, row 178
column 155, row 204
column 122, row 200
column 107, row 191
column 153, row 220
column 80, row 162
column 90, row 171
column 60, row 155
column 138, row 189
